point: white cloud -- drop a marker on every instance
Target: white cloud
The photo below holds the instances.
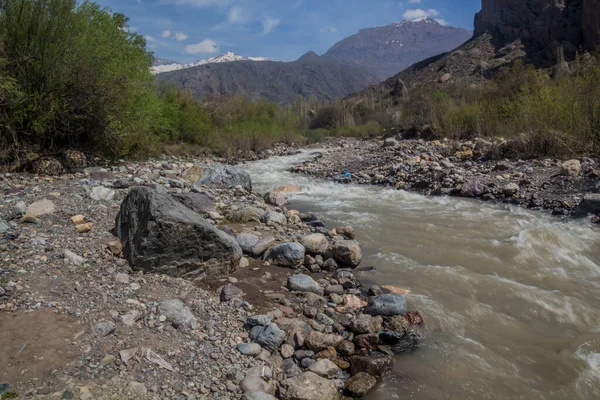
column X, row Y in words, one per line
column 269, row 24
column 236, row 15
column 420, row 13
column 414, row 1
column 441, row 21
column 166, row 33
column 180, row 36
column 205, row 46
column 149, row 38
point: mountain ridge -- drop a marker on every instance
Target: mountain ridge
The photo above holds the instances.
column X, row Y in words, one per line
column 222, row 58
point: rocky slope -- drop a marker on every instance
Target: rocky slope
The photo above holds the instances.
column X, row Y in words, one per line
column 386, row 50
column 275, row 309
column 279, row 82
column 505, row 31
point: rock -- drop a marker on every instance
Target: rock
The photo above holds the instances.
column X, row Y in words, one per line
column 346, row 253
column 178, row 314
column 40, row 208
column 18, row 210
column 256, row 384
column 249, row 349
column 47, row 166
column 270, row 337
column 290, row 369
column 161, row 235
column 103, row 329
column 257, row 396
column 247, row 241
column 390, row 142
column 288, row 189
column 4, row 226
column 589, row 205
column 273, row 217
column 308, row 386
column 304, row 283
column 101, row 193
column 259, row 320
column 316, row 243
column 73, row 258
column 360, row 384
column 325, row 368
column 365, row 323
column 330, row 265
column 84, row 228
column 246, row 214
column 346, row 231
column 74, row 160
column 317, row 341
column 131, row 317
column 571, row 168
column 368, row 342
column 286, row 255
column 197, row 202
column 510, row 189
column 387, row 305
column 472, row 189
column 287, row 351
column 262, row 245
column 445, row 78
column 374, row 365
column 77, row 219
column 115, row 247
column 230, row 292
column 223, row 176
column 346, row 348
column 277, row 199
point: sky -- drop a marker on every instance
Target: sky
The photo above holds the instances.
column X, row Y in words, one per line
column 188, row 30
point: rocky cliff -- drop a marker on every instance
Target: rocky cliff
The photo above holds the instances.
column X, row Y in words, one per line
column 591, row 23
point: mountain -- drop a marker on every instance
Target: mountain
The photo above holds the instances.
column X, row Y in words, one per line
column 162, row 61
column 506, row 31
column 168, row 65
column 386, row 50
column 279, row 82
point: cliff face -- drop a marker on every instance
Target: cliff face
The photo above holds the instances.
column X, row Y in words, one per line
column 543, row 24
column 591, row 23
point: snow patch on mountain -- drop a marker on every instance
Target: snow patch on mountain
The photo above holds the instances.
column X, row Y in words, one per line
column 223, row 58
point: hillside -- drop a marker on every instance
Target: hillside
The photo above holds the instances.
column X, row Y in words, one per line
column 386, row 50
column 279, row 82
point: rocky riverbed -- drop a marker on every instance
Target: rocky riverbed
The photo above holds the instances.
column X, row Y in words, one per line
column 172, row 279
column 472, row 169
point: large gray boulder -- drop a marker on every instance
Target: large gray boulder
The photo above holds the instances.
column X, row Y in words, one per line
column 304, row 283
column 224, row 176
column 161, row 235
column 346, row 252
column 197, row 202
column 589, row 205
column 286, row 255
column 387, row 305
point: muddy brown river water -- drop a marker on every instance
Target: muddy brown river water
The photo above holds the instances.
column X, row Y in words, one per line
column 511, row 298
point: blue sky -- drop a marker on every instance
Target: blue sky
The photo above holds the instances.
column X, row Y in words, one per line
column 187, row 30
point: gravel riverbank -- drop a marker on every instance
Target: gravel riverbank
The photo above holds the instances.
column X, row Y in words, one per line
column 473, row 169
column 171, row 279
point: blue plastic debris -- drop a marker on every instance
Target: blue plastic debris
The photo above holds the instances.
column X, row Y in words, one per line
column 347, row 174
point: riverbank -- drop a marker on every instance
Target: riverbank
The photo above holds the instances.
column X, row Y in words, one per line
column 471, row 169
column 81, row 323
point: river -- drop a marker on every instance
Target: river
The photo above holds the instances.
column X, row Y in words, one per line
column 510, row 298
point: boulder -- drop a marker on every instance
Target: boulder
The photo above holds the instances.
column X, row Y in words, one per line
column 270, row 337
column 387, row 305
column 286, row 255
column 571, row 168
column 318, row 341
column 316, row 243
column 249, row 349
column 346, row 231
column 273, row 217
column 253, row 383
column 374, row 365
column 277, row 199
column 589, row 205
column 222, row 176
column 360, row 384
column 510, row 189
column 308, row 386
column 365, row 323
column 230, row 292
column 325, row 368
column 263, row 245
column 472, row 189
column 390, row 142
column 40, row 208
column 246, row 213
column 346, row 253
column 74, row 160
column 247, row 241
column 178, row 314
column 161, row 235
column 197, row 202
column 101, row 193
column 303, row 283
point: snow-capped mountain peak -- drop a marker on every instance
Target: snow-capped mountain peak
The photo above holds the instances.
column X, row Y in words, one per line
column 426, row 20
column 225, row 57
